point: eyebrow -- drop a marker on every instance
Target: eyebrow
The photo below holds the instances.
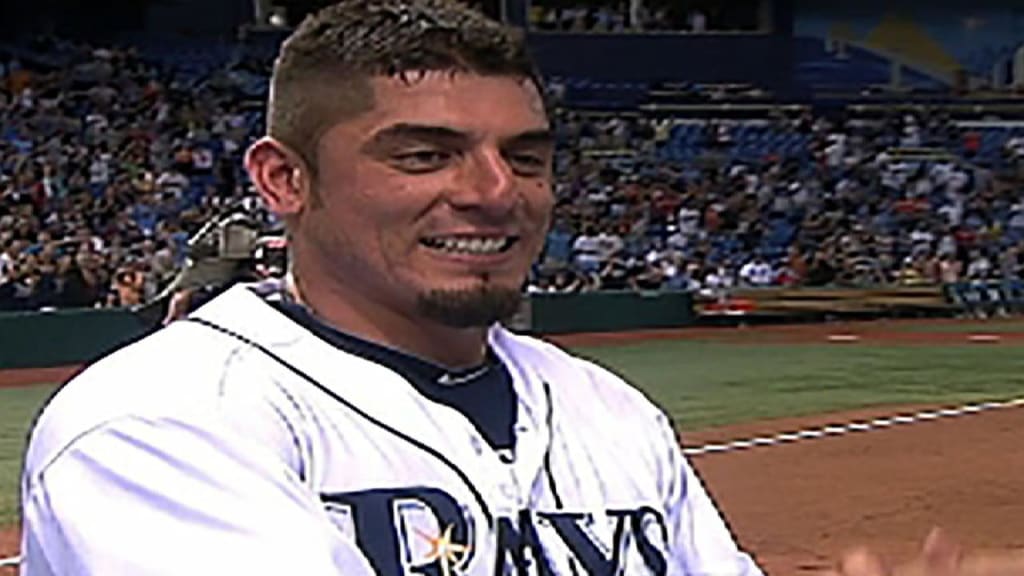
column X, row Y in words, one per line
column 539, row 137
column 426, row 132
column 443, row 134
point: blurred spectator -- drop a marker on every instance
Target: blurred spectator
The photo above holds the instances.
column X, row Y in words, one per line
column 821, row 271
column 615, row 272
column 718, row 281
column 567, row 281
column 559, row 247
column 587, row 253
column 979, row 267
column 796, row 265
column 757, row 273
column 609, row 243
column 128, row 287
column 949, row 268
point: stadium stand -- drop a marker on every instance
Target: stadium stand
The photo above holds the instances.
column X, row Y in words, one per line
column 109, row 161
column 110, row 158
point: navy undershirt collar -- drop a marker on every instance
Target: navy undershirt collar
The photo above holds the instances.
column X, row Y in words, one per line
column 483, row 393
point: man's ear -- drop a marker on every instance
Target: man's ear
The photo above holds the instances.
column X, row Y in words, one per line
column 280, row 176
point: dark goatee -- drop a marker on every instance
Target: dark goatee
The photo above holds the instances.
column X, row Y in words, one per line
column 470, row 308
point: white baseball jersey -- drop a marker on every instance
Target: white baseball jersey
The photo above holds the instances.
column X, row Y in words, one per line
column 239, row 442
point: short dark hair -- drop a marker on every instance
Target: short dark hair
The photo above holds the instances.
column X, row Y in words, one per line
column 322, row 72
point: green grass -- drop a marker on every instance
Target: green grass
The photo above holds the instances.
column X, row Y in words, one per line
column 17, row 408
column 702, row 384
column 980, row 327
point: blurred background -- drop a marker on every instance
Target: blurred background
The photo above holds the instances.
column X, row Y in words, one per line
column 707, row 147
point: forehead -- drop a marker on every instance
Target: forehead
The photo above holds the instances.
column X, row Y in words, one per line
column 482, row 105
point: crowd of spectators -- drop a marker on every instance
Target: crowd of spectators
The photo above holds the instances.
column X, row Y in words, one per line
column 109, row 162
column 107, row 165
column 850, row 210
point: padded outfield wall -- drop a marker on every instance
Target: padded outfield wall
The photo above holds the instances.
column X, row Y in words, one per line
column 70, row 337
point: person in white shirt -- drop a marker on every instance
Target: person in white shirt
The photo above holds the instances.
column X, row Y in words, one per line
column 957, row 181
column 922, row 239
column 952, row 212
column 586, row 250
column 757, row 272
column 172, row 181
column 1016, row 218
column 979, row 267
column 1014, row 147
column 947, row 245
column 678, row 240
column 609, row 243
column 99, row 169
column 6, row 263
column 718, row 281
column 688, row 220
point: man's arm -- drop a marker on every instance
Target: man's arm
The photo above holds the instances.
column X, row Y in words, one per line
column 700, row 543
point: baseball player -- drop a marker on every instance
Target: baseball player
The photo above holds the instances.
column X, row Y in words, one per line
column 369, row 414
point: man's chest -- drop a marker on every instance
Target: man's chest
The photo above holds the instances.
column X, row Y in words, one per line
column 419, row 506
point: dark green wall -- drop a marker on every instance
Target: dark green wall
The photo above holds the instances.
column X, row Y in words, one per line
column 63, row 337
column 609, row 311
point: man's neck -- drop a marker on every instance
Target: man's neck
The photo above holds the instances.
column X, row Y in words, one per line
column 355, row 314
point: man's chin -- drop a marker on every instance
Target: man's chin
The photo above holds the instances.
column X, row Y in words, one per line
column 470, row 307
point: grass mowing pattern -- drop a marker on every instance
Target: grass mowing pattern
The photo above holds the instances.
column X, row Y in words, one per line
column 17, row 408
column 703, row 384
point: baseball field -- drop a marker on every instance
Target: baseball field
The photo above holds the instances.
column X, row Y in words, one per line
column 811, row 438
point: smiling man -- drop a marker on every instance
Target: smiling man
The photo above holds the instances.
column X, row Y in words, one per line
column 369, row 414
column 415, row 221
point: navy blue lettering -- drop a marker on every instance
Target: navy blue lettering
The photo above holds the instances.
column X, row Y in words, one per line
column 376, row 535
column 520, row 545
column 594, row 562
column 653, row 557
column 379, row 519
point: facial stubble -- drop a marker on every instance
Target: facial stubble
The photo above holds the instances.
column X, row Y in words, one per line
column 476, row 307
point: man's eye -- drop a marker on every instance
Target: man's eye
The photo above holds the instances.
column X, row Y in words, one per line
column 422, row 160
column 528, row 164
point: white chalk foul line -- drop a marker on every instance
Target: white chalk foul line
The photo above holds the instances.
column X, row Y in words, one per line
column 10, row 562
column 850, row 427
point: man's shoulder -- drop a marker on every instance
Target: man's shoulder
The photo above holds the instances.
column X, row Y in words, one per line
column 174, row 371
column 179, row 350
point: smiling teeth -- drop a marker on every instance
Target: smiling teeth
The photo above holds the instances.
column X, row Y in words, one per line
column 469, row 245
